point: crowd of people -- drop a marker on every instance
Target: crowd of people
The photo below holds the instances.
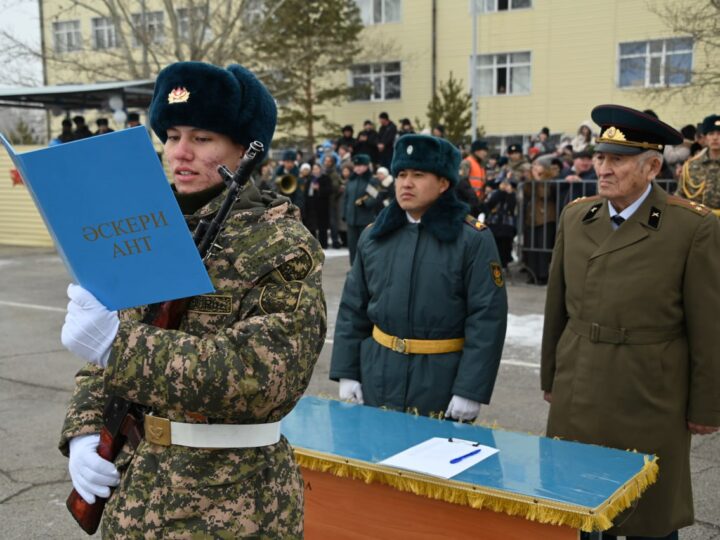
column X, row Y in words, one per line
column 519, row 191
column 76, row 128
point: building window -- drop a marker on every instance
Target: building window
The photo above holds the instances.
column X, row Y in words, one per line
column 199, row 20
column 379, row 11
column 660, row 62
column 67, row 37
column 488, row 6
column 503, row 74
column 376, row 82
column 104, row 34
column 152, row 31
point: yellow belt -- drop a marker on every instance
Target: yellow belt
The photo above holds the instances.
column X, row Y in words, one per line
column 417, row 346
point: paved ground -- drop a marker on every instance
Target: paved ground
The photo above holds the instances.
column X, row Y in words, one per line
column 36, row 376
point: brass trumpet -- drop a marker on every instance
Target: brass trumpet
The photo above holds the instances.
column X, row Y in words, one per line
column 287, row 184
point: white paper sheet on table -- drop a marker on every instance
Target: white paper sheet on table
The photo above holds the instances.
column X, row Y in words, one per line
column 434, row 455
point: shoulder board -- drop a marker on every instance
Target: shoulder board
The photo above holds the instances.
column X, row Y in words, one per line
column 474, row 223
column 585, row 199
column 693, row 206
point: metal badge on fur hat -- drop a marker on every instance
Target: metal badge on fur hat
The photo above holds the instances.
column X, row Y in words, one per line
column 229, row 101
column 426, row 153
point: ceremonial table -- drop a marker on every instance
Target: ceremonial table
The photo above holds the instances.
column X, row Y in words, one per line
column 533, row 488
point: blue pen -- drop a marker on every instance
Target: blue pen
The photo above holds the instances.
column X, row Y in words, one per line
column 459, row 459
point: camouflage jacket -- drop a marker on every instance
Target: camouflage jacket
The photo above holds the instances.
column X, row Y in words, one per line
column 242, row 355
column 701, row 171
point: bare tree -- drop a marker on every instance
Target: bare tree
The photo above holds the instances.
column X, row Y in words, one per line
column 699, row 20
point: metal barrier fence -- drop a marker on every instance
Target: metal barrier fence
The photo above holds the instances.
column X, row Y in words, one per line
column 539, row 204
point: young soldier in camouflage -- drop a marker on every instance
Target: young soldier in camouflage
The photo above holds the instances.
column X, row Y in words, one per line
column 240, row 360
column 700, row 178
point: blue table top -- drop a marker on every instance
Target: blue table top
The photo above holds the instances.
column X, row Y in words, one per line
column 563, row 472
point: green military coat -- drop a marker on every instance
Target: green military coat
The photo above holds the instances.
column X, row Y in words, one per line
column 363, row 214
column 243, row 355
column 437, row 280
column 658, row 278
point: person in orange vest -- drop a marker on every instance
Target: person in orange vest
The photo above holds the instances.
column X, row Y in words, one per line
column 476, row 159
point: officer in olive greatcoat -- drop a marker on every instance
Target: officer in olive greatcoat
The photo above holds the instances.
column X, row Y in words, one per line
column 422, row 318
column 212, row 463
column 629, row 353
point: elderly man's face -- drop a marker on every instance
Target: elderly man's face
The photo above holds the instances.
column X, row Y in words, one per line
column 195, row 154
column 622, row 179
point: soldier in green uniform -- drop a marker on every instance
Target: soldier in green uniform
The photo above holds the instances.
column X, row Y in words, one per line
column 629, row 352
column 422, row 318
column 240, row 360
column 700, row 177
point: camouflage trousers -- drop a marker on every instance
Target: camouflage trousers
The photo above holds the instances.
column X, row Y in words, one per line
column 175, row 492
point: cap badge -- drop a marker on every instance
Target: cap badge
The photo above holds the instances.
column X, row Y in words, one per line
column 179, row 95
column 614, row 134
column 409, row 149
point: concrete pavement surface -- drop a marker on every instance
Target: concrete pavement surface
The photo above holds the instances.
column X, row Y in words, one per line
column 36, row 380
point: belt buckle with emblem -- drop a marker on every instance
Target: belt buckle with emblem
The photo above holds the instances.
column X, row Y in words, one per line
column 399, row 345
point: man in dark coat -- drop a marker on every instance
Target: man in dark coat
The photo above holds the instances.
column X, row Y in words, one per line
column 82, row 131
column 386, row 139
column 67, row 132
column 367, row 141
column 360, row 201
column 422, row 318
column 629, row 355
column 347, row 138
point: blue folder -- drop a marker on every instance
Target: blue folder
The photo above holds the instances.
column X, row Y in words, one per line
column 114, row 219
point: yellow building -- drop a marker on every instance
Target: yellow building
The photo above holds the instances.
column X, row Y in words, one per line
column 540, row 62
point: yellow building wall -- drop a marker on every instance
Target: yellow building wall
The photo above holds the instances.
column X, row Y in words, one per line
column 574, row 48
column 20, row 222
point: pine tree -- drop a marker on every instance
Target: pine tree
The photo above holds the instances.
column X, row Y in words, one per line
column 452, row 107
column 307, row 43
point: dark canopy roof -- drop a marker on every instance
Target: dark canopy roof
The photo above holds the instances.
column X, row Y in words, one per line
column 135, row 94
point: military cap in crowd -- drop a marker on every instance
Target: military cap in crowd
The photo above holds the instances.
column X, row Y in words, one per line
column 426, row 153
column 711, row 123
column 586, row 152
column 514, row 148
column 361, row 159
column 627, row 131
column 229, row 101
column 478, row 144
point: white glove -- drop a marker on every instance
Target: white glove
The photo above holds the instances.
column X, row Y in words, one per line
column 89, row 328
column 462, row 409
column 91, row 475
column 351, row 390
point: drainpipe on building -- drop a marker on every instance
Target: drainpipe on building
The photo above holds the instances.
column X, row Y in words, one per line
column 44, row 64
column 473, row 72
column 433, row 65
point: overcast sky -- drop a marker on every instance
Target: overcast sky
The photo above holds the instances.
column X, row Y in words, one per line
column 19, row 18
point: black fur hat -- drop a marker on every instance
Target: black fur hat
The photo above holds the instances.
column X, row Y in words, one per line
column 229, row 101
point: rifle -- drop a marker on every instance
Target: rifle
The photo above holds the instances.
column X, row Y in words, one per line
column 122, row 419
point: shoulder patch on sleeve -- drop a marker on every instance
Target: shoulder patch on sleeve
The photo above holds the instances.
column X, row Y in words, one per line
column 695, row 207
column 497, row 274
column 297, row 268
column 474, row 223
column 281, row 298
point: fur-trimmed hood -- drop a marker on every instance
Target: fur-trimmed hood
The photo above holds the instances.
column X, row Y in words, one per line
column 444, row 219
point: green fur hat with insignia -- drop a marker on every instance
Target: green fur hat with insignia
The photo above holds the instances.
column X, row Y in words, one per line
column 426, row 153
column 229, row 101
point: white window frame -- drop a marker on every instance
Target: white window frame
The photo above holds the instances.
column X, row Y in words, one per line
column 67, row 36
column 378, row 72
column 104, row 33
column 648, row 55
column 184, row 21
column 509, row 65
column 154, row 23
column 491, row 6
column 371, row 15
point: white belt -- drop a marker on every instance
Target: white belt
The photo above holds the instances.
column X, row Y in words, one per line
column 165, row 433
